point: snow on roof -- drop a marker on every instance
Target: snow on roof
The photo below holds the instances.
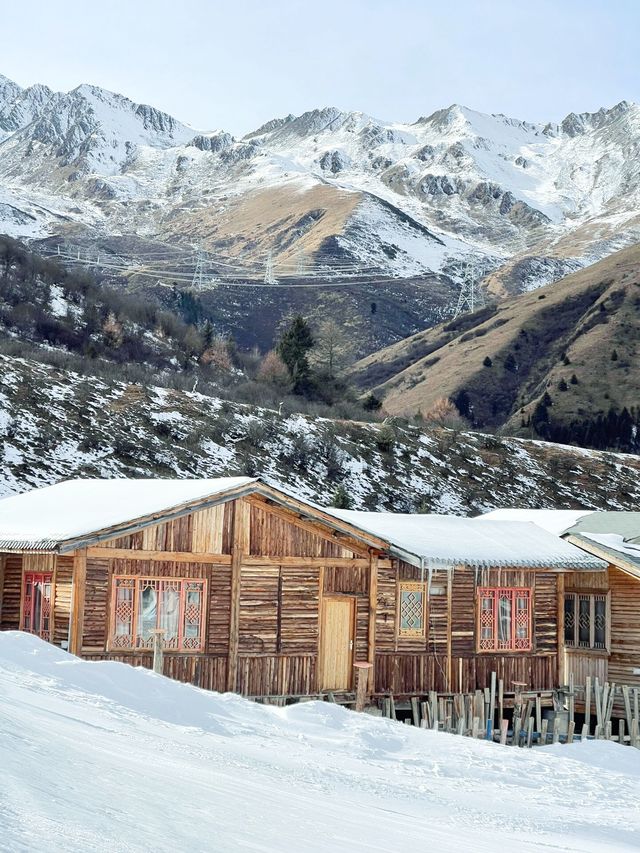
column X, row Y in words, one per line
column 450, row 540
column 42, row 518
column 556, row 521
column 615, row 542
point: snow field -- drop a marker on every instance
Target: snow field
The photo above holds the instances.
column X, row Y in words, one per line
column 102, row 756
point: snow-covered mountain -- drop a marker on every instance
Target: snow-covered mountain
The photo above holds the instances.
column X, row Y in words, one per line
column 528, row 201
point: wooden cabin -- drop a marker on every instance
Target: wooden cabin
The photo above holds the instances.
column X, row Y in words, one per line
column 600, row 617
column 258, row 592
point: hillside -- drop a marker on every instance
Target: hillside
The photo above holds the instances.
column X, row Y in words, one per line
column 553, row 364
column 101, row 756
column 326, row 190
column 55, row 424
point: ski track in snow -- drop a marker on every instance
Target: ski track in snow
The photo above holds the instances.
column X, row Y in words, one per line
column 105, row 757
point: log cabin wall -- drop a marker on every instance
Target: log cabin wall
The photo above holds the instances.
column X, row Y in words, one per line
column 279, row 597
column 625, row 628
column 11, row 592
column 585, row 662
column 447, row 658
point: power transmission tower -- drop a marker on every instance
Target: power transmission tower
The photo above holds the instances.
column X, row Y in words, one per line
column 197, row 282
column 269, row 274
column 470, row 296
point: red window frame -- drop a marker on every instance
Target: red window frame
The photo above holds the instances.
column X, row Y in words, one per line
column 35, row 617
column 504, row 619
column 130, row 630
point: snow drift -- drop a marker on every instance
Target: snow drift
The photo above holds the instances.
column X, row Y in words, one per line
column 101, row 756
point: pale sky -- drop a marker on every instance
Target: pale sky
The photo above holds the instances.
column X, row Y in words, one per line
column 234, row 64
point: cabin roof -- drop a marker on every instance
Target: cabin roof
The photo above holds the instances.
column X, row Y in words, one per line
column 612, row 535
column 42, row 519
column 450, row 540
column 74, row 513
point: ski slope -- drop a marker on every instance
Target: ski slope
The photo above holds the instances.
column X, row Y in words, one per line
column 101, row 756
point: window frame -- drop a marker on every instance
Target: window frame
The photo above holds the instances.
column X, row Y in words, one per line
column 578, row 595
column 495, row 593
column 411, row 633
column 137, row 642
column 32, row 578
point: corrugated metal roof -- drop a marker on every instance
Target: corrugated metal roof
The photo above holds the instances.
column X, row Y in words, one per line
column 450, row 540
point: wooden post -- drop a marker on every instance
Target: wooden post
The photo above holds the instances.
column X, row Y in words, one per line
column 571, row 698
column 373, row 613
column 504, row 727
column 587, row 703
column 570, row 731
column 621, row 732
column 239, row 546
column 585, row 732
column 492, row 699
column 415, row 711
column 501, row 698
column 627, row 705
column 78, row 593
column 529, row 731
column 2, row 570
column 450, row 630
column 560, row 634
column 543, row 731
column 556, row 729
column 516, row 731
column 362, row 680
column 158, row 650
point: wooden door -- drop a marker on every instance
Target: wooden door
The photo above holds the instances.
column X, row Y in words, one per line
column 337, row 639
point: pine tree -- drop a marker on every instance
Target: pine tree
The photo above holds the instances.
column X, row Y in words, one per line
column 562, row 385
column 487, row 361
column 341, row 498
column 293, row 348
column 614, row 355
column 574, row 379
column 510, row 363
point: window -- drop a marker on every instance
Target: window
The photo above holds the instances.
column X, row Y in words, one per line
column 142, row 605
column 585, row 620
column 412, row 607
column 36, row 605
column 504, row 620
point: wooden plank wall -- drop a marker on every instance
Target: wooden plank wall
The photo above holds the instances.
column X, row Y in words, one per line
column 12, row 593
column 443, row 664
column 62, row 598
column 625, row 628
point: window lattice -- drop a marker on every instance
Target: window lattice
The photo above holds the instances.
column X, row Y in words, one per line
column 36, row 605
column 504, row 619
column 585, row 620
column 412, row 609
column 141, row 606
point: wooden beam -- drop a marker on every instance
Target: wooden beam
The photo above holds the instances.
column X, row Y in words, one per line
column 78, row 593
column 164, row 556
column 449, row 630
column 239, row 546
column 373, row 613
column 315, row 527
column 561, row 654
column 343, row 562
column 3, row 560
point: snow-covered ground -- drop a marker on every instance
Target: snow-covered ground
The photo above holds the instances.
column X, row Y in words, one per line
column 101, row 756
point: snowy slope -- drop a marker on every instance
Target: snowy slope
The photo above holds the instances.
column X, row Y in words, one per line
column 104, row 757
column 454, row 185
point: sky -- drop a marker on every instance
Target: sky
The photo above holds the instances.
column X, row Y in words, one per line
column 234, row 64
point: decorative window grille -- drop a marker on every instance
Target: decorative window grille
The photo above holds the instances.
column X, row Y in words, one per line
column 412, row 609
column 36, row 605
column 504, row 619
column 585, row 620
column 140, row 606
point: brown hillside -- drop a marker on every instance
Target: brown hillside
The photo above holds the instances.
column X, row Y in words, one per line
column 536, row 343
